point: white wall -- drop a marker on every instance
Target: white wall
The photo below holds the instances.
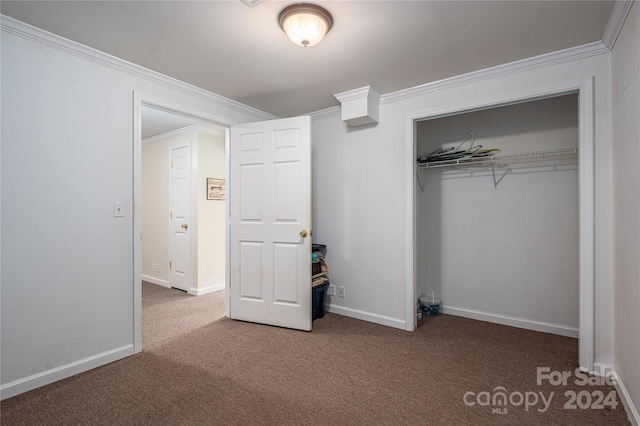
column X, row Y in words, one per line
column 360, row 204
column 511, row 250
column 626, row 196
column 211, row 219
column 67, row 154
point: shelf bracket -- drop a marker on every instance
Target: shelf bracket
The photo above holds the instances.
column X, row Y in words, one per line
column 420, row 179
column 493, row 170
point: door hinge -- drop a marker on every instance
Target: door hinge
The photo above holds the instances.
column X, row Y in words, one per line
column 170, row 215
column 172, row 164
column 170, row 265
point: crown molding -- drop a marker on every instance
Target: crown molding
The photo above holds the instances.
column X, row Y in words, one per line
column 46, row 38
column 163, row 136
column 557, row 57
column 219, row 132
column 192, row 128
column 324, row 113
column 553, row 58
column 616, row 21
column 357, row 94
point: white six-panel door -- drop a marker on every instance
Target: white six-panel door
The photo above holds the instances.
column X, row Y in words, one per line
column 180, row 218
column 270, row 220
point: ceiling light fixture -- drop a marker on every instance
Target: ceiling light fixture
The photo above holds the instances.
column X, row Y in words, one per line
column 305, row 24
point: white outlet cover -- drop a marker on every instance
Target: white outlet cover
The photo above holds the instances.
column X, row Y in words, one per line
column 118, row 209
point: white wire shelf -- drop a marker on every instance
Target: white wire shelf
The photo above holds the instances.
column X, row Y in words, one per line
column 501, row 160
column 549, row 155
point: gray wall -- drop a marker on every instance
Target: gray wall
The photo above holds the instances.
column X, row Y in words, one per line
column 626, row 144
column 67, row 156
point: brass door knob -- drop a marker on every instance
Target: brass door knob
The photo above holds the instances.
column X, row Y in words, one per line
column 184, row 226
column 304, row 233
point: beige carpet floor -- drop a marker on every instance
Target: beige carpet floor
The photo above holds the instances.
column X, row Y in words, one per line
column 168, row 313
column 344, row 372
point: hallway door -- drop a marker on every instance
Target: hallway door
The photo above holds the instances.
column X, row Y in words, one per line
column 180, row 218
column 270, row 235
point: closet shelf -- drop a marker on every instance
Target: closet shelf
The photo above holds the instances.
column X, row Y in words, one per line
column 549, row 155
column 500, row 160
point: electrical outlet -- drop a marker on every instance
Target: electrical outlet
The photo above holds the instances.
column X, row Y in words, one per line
column 331, row 291
column 341, row 291
column 155, row 268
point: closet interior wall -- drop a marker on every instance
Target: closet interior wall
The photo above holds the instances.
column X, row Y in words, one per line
column 506, row 253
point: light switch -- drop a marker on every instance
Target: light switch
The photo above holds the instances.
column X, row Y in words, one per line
column 118, row 209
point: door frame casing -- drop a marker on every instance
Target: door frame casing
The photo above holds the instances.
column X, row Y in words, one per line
column 584, row 87
column 139, row 100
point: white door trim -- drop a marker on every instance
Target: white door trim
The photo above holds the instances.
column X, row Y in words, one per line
column 140, row 99
column 227, row 225
column 585, row 89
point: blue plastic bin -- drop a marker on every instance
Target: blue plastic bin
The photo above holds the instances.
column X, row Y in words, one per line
column 318, row 295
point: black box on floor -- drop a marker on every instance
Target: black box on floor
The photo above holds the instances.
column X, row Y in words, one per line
column 318, row 298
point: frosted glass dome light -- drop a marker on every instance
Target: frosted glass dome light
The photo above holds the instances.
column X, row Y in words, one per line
column 305, row 24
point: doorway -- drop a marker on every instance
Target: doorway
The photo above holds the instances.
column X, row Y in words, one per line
column 584, row 90
column 159, row 128
column 183, row 227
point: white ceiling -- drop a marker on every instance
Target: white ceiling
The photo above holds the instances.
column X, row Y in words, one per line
column 241, row 53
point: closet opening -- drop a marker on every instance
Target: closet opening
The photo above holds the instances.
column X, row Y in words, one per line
column 504, row 233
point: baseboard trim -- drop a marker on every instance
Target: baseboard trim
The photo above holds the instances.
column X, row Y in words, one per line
column 544, row 327
column 26, row 384
column 366, row 316
column 154, row 280
column 632, row 411
column 601, row 369
column 206, row 290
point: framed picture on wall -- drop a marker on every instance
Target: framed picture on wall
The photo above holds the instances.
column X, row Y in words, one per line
column 215, row 189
